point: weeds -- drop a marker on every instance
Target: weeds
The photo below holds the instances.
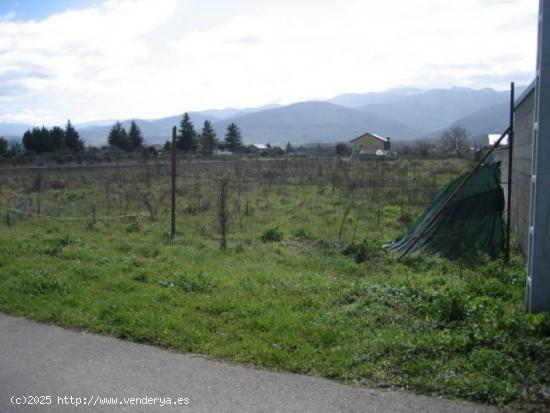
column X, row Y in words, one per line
column 273, row 234
column 366, row 250
column 303, row 233
column 55, row 246
column 197, row 283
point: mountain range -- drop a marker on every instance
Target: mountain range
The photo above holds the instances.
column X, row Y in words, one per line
column 402, row 114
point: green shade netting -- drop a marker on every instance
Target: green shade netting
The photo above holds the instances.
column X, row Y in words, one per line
column 471, row 223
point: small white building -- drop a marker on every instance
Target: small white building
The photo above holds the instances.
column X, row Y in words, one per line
column 492, row 138
column 222, row 152
column 260, row 146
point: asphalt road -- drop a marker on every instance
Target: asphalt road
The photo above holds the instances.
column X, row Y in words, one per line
column 39, row 360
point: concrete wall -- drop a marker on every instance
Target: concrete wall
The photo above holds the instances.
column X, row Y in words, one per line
column 521, row 166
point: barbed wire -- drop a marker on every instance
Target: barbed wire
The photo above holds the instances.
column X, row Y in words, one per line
column 88, row 218
column 324, row 184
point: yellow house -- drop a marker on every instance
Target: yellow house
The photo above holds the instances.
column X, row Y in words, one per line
column 368, row 143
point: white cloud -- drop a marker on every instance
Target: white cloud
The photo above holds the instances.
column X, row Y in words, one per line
column 151, row 58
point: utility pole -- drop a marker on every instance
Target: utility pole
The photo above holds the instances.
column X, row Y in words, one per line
column 538, row 250
column 173, row 216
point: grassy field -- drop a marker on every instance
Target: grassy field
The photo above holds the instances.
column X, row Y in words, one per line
column 283, row 294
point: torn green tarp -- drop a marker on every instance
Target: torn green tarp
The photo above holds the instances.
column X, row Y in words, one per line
column 471, row 223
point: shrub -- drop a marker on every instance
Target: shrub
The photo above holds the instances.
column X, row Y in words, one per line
column 539, row 323
column 133, row 226
column 55, row 246
column 273, row 234
column 364, row 251
column 141, row 277
column 303, row 233
column 448, row 306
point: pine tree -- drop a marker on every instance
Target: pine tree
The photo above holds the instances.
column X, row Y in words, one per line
column 57, row 136
column 44, row 140
column 37, row 140
column 187, row 138
column 72, row 139
column 289, row 148
column 233, row 140
column 208, row 139
column 3, row 146
column 16, row 149
column 27, row 140
column 118, row 137
column 135, row 136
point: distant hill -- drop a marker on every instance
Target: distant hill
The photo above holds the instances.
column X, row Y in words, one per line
column 357, row 100
column 13, row 129
column 102, row 122
column 435, row 109
column 232, row 112
column 298, row 123
column 493, row 119
column 313, row 122
column 403, row 114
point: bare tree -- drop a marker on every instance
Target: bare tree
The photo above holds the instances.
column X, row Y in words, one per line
column 455, row 139
column 342, row 149
column 423, row 147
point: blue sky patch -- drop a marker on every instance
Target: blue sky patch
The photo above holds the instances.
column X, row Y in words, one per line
column 24, row 10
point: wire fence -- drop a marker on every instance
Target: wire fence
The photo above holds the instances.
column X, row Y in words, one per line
column 112, row 194
column 80, row 218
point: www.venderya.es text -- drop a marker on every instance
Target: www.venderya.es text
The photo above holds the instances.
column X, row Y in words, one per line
column 98, row 400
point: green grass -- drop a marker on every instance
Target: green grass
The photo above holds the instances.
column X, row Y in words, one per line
column 296, row 302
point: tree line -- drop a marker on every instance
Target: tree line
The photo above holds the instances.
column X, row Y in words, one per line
column 187, row 139
column 42, row 139
column 127, row 141
column 4, row 146
column 206, row 142
column 55, row 139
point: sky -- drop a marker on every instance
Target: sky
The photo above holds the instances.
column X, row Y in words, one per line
column 86, row 60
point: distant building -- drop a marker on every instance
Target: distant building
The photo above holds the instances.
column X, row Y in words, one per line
column 222, row 152
column 492, row 138
column 258, row 148
column 371, row 146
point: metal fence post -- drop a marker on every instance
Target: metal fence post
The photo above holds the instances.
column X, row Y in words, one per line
column 538, row 252
column 173, row 211
column 510, row 159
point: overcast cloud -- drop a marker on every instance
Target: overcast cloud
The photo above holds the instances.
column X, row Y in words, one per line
column 153, row 58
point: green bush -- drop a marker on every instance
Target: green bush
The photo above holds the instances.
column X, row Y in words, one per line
column 54, row 246
column 273, row 234
column 133, row 226
column 448, row 306
column 141, row 277
column 364, row 251
column 539, row 323
column 303, row 233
